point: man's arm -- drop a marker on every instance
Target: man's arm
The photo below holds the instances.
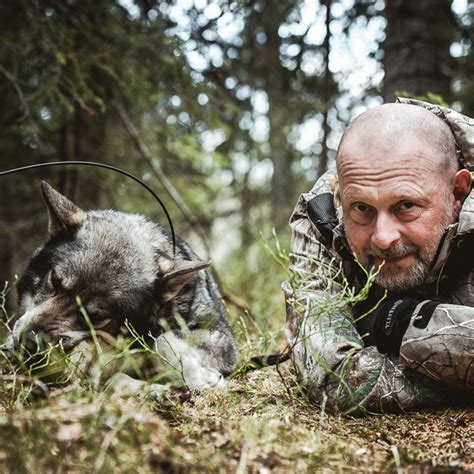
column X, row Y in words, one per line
column 327, row 349
column 439, row 343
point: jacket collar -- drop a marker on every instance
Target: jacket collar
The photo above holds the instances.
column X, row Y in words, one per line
column 466, row 216
column 454, row 232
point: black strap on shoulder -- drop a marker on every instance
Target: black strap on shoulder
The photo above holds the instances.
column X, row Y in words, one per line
column 322, row 213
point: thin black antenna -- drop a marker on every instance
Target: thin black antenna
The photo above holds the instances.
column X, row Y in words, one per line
column 100, row 165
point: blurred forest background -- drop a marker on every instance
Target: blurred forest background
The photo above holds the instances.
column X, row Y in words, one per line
column 228, row 109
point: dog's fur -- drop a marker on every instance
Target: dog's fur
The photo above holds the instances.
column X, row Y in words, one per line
column 123, row 269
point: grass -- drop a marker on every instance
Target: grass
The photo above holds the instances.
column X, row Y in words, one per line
column 261, row 423
column 251, row 427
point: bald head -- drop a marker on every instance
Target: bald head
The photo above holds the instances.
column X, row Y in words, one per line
column 389, row 126
column 399, row 188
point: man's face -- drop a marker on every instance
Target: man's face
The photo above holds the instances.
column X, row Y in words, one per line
column 396, row 204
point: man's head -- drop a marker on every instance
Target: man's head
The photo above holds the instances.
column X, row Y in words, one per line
column 400, row 188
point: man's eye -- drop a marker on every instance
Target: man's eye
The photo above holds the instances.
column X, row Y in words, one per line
column 408, row 211
column 362, row 213
column 362, row 208
column 406, row 205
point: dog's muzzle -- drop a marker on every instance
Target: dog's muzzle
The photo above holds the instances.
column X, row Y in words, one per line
column 27, row 334
column 30, row 341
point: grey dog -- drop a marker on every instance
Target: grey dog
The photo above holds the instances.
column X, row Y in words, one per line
column 123, row 268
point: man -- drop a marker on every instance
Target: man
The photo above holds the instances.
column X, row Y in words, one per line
column 395, row 223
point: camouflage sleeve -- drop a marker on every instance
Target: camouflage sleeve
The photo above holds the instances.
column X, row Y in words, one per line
column 328, row 352
column 442, row 345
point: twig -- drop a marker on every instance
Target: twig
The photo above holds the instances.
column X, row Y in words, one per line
column 160, row 174
column 286, row 352
column 237, row 301
column 396, row 457
column 244, row 456
column 107, row 441
column 24, row 378
column 26, row 109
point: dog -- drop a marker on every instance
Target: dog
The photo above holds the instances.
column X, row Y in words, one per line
column 125, row 272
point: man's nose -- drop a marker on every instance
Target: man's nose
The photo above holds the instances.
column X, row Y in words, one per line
column 386, row 232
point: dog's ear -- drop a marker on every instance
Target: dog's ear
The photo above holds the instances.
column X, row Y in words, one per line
column 63, row 214
column 170, row 284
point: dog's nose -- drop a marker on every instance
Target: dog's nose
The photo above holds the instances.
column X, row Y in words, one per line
column 32, row 342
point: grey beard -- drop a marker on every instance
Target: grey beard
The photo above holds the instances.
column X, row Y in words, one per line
column 414, row 277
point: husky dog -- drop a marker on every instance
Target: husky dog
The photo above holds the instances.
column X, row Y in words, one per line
column 123, row 268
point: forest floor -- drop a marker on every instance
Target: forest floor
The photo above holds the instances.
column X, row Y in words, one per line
column 261, row 423
column 253, row 426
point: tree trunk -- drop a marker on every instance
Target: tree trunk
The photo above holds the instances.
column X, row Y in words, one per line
column 417, row 60
column 282, row 193
column 324, row 158
column 277, row 88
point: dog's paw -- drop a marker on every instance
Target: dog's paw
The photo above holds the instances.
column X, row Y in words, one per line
column 189, row 365
column 201, row 378
column 122, row 385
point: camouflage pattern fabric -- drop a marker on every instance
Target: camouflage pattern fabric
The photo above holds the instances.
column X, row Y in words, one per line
column 436, row 363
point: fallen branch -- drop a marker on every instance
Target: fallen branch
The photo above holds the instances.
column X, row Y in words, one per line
column 160, row 175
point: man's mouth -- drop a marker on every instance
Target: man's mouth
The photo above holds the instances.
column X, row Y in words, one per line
column 395, row 259
column 377, row 260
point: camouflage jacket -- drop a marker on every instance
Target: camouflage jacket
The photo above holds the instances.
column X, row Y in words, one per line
column 436, row 363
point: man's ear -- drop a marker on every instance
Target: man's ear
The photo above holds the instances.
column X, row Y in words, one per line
column 170, row 284
column 462, row 188
column 63, row 214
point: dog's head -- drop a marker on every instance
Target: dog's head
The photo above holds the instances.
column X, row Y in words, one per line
column 120, row 265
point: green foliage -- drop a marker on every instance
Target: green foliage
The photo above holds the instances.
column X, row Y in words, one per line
column 428, row 97
column 256, row 276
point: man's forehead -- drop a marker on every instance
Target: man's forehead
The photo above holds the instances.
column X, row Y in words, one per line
column 395, row 189
column 409, row 156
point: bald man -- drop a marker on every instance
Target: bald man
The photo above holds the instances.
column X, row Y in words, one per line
column 380, row 306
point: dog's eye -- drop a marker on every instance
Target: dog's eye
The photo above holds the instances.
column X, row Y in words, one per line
column 94, row 312
column 54, row 282
column 93, row 316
